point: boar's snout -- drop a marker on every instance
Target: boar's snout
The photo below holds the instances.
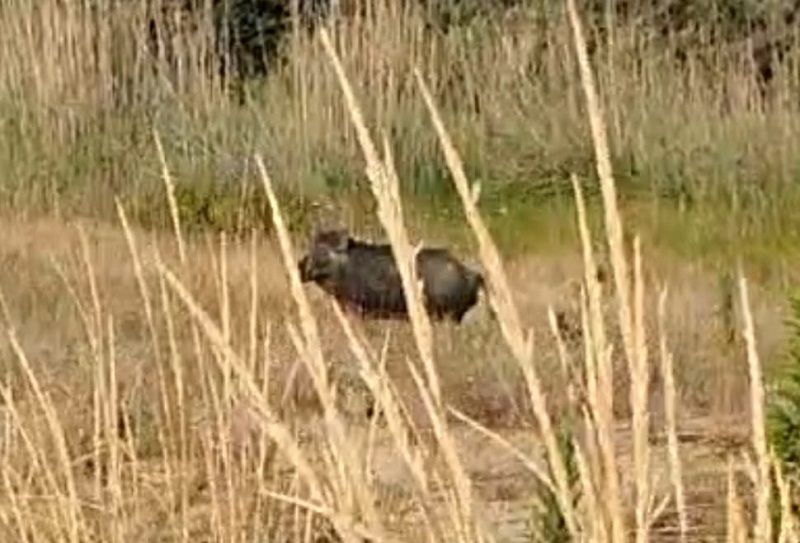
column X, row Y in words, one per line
column 322, row 263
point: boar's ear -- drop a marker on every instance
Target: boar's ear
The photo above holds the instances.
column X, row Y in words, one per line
column 317, row 234
column 336, row 239
column 339, row 239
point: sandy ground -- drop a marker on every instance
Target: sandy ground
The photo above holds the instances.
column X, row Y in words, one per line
column 504, row 489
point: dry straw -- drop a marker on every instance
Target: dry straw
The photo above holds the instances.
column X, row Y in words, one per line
column 339, row 486
column 385, row 188
column 763, row 527
column 670, row 409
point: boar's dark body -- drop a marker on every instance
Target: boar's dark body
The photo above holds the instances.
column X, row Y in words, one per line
column 364, row 277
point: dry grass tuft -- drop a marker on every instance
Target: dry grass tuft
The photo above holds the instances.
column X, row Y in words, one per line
column 200, row 395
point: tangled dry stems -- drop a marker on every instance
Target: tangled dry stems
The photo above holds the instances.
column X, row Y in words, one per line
column 338, row 486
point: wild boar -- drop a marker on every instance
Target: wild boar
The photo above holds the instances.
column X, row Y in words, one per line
column 364, row 277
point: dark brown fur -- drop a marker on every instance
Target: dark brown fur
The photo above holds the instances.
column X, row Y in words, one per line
column 364, row 278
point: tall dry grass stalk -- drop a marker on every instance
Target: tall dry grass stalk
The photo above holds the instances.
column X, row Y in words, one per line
column 787, row 531
column 621, row 278
column 737, row 527
column 631, row 323
column 353, row 476
column 670, row 410
column 204, row 367
column 325, row 498
column 501, row 299
column 763, row 487
column 385, row 188
column 597, row 358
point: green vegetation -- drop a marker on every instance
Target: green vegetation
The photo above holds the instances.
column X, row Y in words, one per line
column 700, row 158
column 784, row 413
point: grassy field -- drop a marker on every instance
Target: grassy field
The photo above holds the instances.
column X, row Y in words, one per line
column 164, row 377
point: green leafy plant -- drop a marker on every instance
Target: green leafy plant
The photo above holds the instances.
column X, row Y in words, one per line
column 548, row 521
column 783, row 411
column 784, row 401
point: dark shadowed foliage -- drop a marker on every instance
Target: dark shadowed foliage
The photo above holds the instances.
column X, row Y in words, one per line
column 762, row 31
column 364, row 278
column 248, row 34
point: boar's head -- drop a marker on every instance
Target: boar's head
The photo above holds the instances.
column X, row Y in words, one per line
column 326, row 257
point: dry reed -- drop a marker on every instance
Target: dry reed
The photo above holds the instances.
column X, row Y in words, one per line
column 331, row 480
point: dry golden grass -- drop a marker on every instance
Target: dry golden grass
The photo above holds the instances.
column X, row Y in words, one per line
column 50, row 328
column 81, row 94
column 174, row 454
column 176, row 459
column 175, row 388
